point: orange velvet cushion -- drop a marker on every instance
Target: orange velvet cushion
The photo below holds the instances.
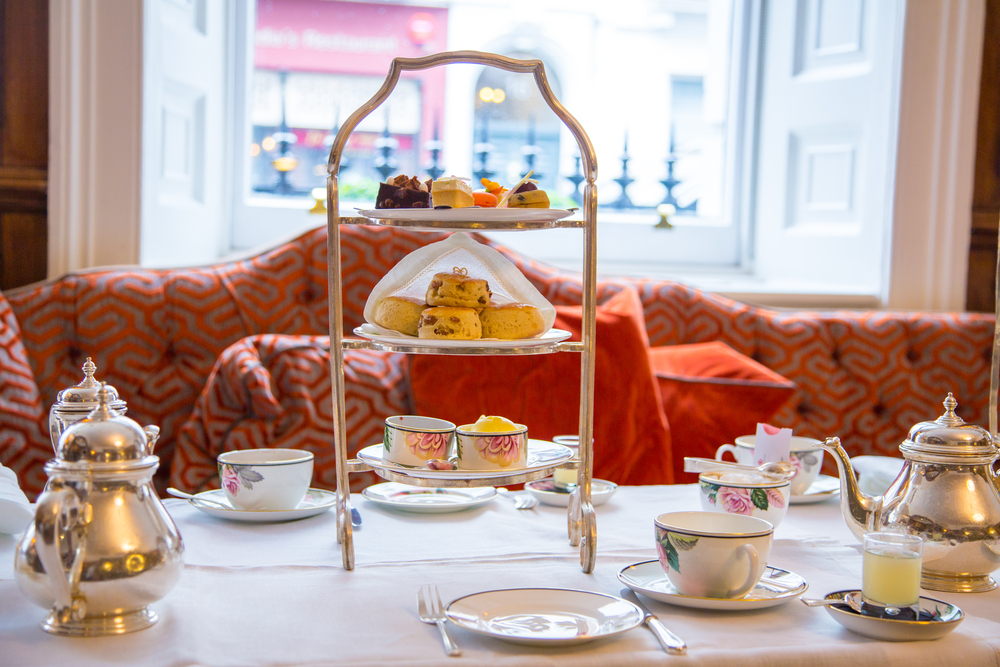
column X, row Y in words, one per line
column 631, row 436
column 711, row 395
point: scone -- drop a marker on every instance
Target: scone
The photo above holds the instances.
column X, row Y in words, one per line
column 459, row 290
column 511, row 321
column 445, row 322
column 399, row 313
column 452, row 192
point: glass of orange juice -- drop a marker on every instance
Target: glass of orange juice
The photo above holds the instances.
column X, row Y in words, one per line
column 890, row 573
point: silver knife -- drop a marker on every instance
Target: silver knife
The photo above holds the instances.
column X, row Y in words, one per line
column 670, row 642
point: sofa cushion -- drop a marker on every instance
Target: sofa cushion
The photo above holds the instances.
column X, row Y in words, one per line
column 274, row 391
column 711, row 395
column 631, row 434
column 24, row 442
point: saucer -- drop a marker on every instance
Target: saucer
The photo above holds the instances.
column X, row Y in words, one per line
column 546, row 492
column 776, row 587
column 544, row 616
column 937, row 619
column 316, row 502
column 824, row 488
column 422, row 500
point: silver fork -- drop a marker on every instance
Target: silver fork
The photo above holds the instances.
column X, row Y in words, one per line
column 521, row 501
column 432, row 611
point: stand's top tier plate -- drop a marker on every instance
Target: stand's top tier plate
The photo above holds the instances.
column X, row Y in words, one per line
column 473, row 218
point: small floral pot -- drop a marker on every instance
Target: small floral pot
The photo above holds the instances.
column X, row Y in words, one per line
column 410, row 440
column 763, row 501
column 492, row 451
column 265, row 479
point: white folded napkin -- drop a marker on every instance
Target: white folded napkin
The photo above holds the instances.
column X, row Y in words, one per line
column 876, row 473
column 15, row 510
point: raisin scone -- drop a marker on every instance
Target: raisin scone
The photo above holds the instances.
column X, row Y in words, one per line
column 458, row 290
column 511, row 321
column 399, row 313
column 446, row 322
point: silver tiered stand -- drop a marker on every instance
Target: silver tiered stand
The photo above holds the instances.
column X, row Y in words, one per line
column 582, row 521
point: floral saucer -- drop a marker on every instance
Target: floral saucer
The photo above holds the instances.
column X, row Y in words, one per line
column 421, row 500
column 316, row 502
column 548, row 493
column 936, row 619
column 776, row 587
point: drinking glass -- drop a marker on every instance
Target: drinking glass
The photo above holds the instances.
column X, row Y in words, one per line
column 890, row 575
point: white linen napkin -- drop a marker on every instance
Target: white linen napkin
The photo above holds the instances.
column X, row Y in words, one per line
column 15, row 510
column 411, row 276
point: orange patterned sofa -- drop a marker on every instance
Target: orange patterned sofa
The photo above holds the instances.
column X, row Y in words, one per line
column 234, row 355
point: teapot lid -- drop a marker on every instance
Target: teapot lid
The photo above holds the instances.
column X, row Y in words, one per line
column 103, row 437
column 83, row 397
column 949, row 437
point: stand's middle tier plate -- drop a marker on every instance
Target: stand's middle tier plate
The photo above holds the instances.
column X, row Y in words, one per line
column 542, row 455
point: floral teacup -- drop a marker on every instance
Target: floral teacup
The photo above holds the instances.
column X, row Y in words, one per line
column 413, row 441
column 768, row 501
column 265, row 479
column 806, row 455
column 709, row 555
column 506, row 450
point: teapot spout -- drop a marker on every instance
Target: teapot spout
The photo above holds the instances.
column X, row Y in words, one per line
column 861, row 511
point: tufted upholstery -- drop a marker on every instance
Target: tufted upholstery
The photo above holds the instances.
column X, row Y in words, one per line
column 157, row 335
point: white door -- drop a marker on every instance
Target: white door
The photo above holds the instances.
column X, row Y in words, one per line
column 185, row 137
column 827, row 142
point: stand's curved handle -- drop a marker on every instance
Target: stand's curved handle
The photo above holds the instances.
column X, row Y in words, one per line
column 753, row 577
column 588, row 157
column 62, row 516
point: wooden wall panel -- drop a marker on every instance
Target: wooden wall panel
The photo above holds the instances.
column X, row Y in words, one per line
column 986, row 190
column 24, row 140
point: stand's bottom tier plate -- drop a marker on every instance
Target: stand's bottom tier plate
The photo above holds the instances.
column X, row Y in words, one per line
column 543, row 458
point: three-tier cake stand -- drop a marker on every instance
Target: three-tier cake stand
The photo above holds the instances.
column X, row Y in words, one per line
column 582, row 523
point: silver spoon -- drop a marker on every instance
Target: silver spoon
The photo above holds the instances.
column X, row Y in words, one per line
column 852, row 600
column 177, row 493
column 782, row 469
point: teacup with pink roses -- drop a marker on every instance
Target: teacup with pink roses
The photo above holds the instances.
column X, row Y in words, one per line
column 748, row 494
column 411, row 440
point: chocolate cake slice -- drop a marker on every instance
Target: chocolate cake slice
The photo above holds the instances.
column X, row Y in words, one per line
column 402, row 192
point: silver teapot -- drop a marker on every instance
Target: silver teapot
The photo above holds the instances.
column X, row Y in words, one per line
column 947, row 492
column 74, row 403
column 102, row 546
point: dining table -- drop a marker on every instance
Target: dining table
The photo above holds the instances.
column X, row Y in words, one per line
column 277, row 594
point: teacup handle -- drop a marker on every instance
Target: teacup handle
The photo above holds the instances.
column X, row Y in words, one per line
column 726, row 448
column 752, row 578
column 62, row 515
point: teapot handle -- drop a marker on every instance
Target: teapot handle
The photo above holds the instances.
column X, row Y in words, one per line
column 152, row 435
column 62, row 515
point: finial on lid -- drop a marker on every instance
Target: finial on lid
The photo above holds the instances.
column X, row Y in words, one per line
column 89, row 368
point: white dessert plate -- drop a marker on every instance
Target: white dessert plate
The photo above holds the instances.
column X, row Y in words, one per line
column 316, row 502
column 544, row 616
column 546, row 492
column 824, row 488
column 427, row 500
column 541, row 454
column 776, row 587
column 937, row 619
column 473, row 214
column 550, row 337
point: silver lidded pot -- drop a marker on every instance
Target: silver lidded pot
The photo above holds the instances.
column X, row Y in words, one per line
column 947, row 492
column 102, row 547
column 75, row 403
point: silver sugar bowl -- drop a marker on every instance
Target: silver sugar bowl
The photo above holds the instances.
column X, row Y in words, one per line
column 102, row 547
column 75, row 403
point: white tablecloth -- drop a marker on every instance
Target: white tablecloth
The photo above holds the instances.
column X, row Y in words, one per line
column 276, row 594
